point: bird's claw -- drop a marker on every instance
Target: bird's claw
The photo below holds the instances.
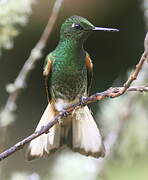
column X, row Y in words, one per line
column 64, row 114
column 82, row 101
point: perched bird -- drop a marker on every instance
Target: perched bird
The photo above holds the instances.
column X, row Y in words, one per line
column 68, row 74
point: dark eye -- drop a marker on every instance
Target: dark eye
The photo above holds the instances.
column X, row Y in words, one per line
column 77, row 26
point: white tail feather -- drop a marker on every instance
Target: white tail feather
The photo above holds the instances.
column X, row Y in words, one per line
column 46, row 142
column 86, row 136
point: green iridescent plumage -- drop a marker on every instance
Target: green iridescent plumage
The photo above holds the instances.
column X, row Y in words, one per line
column 68, row 78
column 68, row 71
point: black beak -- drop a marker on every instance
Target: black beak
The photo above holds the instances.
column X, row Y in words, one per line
column 105, row 29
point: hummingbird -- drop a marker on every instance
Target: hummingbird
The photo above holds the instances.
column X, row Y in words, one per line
column 68, row 75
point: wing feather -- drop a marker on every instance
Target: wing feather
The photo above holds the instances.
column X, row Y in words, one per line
column 89, row 66
column 47, row 72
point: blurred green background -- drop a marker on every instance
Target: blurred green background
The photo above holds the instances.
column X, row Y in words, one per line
column 113, row 54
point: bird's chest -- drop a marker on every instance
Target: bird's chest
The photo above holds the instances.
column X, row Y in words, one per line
column 69, row 79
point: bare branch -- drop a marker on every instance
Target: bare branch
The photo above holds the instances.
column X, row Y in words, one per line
column 45, row 129
column 112, row 92
column 134, row 75
column 138, row 88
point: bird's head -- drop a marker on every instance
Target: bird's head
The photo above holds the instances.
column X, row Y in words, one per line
column 78, row 28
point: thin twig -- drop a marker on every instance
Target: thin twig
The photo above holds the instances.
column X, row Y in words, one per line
column 134, row 75
column 45, row 129
column 138, row 88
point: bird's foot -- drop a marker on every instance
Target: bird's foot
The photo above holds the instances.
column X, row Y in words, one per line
column 82, row 100
column 64, row 114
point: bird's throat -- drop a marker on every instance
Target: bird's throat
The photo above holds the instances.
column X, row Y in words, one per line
column 69, row 46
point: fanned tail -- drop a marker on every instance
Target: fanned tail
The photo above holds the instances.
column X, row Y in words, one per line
column 46, row 143
column 78, row 131
column 86, row 135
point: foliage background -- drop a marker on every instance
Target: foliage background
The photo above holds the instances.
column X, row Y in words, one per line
column 113, row 55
